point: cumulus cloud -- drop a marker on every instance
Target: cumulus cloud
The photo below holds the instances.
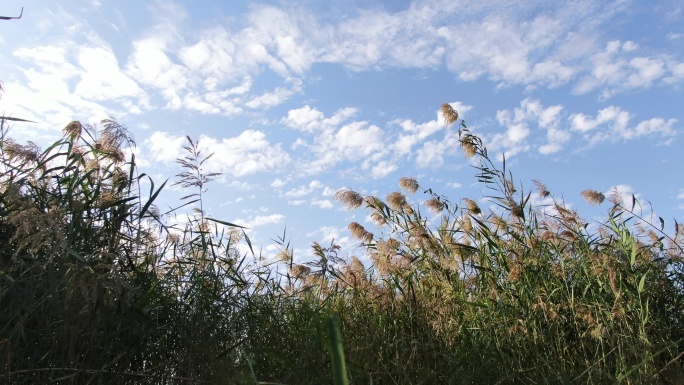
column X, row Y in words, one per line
column 338, row 139
column 248, row 153
column 306, row 118
column 517, row 123
column 618, row 68
column 612, row 123
column 165, row 147
column 67, row 81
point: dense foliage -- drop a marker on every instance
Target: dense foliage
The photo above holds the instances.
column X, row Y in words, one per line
column 97, row 286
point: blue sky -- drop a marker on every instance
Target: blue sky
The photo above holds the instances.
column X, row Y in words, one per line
column 298, row 99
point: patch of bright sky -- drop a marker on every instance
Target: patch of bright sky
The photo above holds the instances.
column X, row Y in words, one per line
column 301, row 98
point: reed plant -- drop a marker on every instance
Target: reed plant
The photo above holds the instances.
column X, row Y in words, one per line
column 98, row 285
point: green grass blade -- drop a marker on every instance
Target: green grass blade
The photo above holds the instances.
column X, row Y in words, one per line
column 339, row 366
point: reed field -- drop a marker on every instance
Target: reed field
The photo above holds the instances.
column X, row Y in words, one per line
column 97, row 286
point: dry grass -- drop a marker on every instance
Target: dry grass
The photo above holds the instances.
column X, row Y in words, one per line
column 97, row 287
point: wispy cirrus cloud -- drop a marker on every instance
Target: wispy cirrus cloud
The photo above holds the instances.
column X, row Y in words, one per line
column 211, row 69
column 619, row 67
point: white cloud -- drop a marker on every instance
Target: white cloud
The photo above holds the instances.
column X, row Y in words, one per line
column 517, row 122
column 277, row 182
column 324, row 204
column 165, row 147
column 275, row 97
column 150, row 65
column 612, row 123
column 357, row 142
column 101, row 78
column 248, row 153
column 647, row 70
column 305, row 190
column 555, row 138
column 210, row 69
column 306, row 118
column 311, row 120
column 328, row 191
column 375, row 150
column 382, row 169
column 432, row 153
column 612, row 114
column 68, row 81
column 655, row 126
column 260, row 220
column 616, row 69
column 415, row 133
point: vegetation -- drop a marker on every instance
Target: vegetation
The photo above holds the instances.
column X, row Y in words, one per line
column 97, row 286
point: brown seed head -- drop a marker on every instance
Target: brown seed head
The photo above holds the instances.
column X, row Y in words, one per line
column 360, row 232
column 417, row 231
column 409, row 184
column 350, row 199
column 679, row 229
column 499, row 222
column 435, row 205
column 593, row 197
column 543, row 191
column 653, row 237
column 26, row 153
column 372, row 201
column 284, row 255
column 357, row 265
column 300, row 271
column 515, row 271
column 73, row 130
column 449, row 114
column 468, row 146
column 466, row 224
column 516, row 211
column 378, row 219
column 510, row 187
column 396, row 200
column 472, row 206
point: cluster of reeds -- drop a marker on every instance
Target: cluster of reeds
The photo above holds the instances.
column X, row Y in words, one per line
column 514, row 293
column 98, row 286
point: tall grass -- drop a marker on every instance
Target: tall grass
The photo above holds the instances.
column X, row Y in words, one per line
column 97, row 285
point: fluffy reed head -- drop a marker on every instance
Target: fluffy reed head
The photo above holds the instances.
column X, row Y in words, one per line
column 409, row 184
column 359, row 232
column 469, row 146
column 396, row 200
column 350, row 199
column 449, row 114
column 434, row 205
column 541, row 189
column 73, row 130
column 472, row 206
column 593, row 197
